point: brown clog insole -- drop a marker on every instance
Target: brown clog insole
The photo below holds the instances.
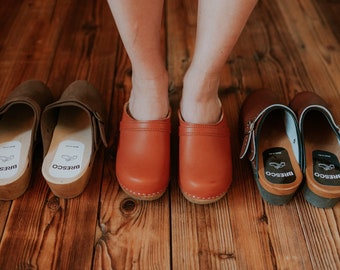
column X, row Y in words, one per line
column 277, row 162
column 70, row 150
column 15, row 142
column 322, row 150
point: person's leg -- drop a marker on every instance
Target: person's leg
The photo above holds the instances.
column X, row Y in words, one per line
column 143, row 154
column 139, row 24
column 205, row 162
column 219, row 24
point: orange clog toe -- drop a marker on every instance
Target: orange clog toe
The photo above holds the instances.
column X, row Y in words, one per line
column 143, row 157
column 205, row 165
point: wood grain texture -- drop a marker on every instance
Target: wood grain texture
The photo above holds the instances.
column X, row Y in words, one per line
column 130, row 234
column 286, row 46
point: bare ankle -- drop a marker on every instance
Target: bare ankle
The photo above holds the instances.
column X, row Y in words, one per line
column 200, row 102
column 201, row 112
column 149, row 97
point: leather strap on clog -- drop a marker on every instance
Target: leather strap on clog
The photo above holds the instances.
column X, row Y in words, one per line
column 33, row 93
column 83, row 95
column 253, row 108
column 251, row 128
column 256, row 106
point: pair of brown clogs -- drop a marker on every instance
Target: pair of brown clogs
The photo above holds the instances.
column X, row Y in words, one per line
column 143, row 158
column 285, row 143
column 72, row 129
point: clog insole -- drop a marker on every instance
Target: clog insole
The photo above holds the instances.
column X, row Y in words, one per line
column 69, row 154
column 277, row 162
column 322, row 150
column 15, row 142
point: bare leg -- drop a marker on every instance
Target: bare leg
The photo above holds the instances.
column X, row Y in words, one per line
column 139, row 24
column 219, row 24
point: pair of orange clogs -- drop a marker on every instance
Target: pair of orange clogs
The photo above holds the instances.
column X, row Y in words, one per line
column 143, row 159
column 72, row 129
column 284, row 143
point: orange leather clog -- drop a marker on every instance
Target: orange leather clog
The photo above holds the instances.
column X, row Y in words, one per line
column 143, row 157
column 205, row 165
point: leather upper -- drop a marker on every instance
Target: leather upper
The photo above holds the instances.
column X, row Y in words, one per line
column 143, row 156
column 253, row 108
column 33, row 93
column 253, row 112
column 306, row 101
column 83, row 95
column 205, row 163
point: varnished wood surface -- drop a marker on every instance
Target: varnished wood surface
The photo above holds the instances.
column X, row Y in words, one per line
column 287, row 46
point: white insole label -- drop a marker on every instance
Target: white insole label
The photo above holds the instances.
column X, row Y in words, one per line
column 67, row 160
column 9, row 159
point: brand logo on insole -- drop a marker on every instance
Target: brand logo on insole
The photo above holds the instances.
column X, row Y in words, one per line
column 10, row 153
column 67, row 161
column 6, row 158
column 282, row 174
column 327, row 176
column 68, row 158
column 278, row 165
column 326, row 167
column 8, row 168
column 64, row 168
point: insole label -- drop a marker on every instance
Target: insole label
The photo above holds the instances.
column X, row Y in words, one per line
column 326, row 168
column 67, row 160
column 277, row 166
column 9, row 159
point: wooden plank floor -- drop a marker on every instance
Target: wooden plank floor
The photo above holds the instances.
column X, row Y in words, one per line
column 287, row 46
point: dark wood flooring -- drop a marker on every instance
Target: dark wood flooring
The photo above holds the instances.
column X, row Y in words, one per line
column 287, row 46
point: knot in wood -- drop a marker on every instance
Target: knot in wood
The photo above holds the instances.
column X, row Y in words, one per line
column 128, row 72
column 53, row 203
column 128, row 206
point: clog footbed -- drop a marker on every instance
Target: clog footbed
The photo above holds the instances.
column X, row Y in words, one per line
column 277, row 162
column 16, row 127
column 67, row 162
column 322, row 155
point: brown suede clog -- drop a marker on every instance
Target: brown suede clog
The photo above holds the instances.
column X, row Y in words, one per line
column 19, row 122
column 72, row 130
